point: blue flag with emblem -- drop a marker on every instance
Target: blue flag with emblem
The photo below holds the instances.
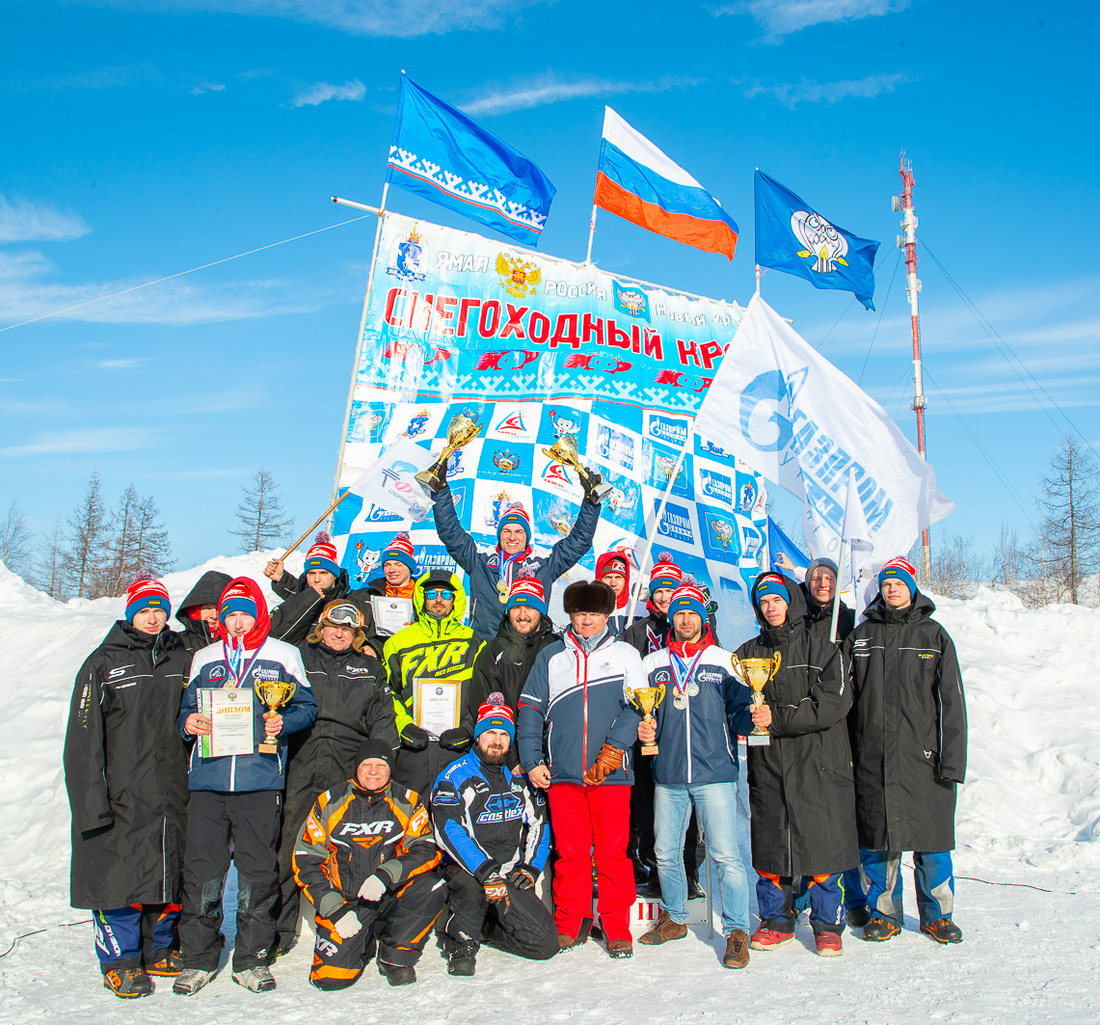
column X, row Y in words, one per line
column 792, row 236
column 445, row 156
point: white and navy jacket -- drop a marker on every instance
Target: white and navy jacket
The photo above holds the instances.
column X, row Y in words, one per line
column 489, row 820
column 243, row 773
column 697, row 733
column 574, row 701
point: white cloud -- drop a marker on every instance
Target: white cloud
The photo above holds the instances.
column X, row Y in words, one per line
column 397, row 18
column 782, row 17
column 28, row 291
column 206, row 87
column 321, row 92
column 110, row 439
column 121, row 364
column 544, row 89
column 24, row 221
column 806, row 91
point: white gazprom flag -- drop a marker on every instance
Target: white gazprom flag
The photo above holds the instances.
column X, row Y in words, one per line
column 793, row 417
column 390, row 481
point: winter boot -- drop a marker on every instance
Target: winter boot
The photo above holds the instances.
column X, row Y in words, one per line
column 620, row 948
column 943, row 930
column 695, row 888
column 462, row 957
column 879, row 929
column 858, row 916
column 258, row 979
column 165, row 963
column 128, row 983
column 398, row 974
column 191, row 980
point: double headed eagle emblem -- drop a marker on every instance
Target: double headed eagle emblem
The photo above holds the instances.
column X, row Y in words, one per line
column 517, row 277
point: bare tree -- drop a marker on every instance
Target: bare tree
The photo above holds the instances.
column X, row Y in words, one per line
column 260, row 513
column 1071, row 528
column 86, row 532
column 1008, row 560
column 15, row 540
column 119, row 544
column 151, row 548
column 956, row 566
column 51, row 552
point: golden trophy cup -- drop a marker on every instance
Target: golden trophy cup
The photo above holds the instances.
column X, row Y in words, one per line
column 646, row 700
column 564, row 450
column 757, row 672
column 274, row 694
column 460, row 431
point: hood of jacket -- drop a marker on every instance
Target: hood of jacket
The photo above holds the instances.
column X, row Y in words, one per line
column 796, row 612
column 622, row 556
column 258, row 634
column 440, row 578
column 207, row 590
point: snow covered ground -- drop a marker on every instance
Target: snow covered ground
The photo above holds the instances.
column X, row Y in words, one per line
column 1028, row 894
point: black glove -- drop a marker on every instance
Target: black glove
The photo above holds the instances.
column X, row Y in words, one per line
column 456, row 739
column 522, row 877
column 414, row 738
column 589, row 483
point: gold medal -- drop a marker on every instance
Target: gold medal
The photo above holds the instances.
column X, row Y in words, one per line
column 502, row 591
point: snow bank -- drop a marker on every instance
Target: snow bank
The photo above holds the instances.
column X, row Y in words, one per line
column 1029, row 848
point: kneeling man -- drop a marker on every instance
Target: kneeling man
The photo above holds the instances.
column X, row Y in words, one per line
column 494, row 825
column 365, row 861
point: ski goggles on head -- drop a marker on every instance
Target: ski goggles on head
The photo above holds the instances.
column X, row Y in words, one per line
column 438, row 592
column 344, row 614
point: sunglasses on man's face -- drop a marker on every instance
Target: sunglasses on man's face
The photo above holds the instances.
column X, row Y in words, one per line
column 438, row 592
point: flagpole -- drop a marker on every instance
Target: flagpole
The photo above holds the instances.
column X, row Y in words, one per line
column 316, row 524
column 591, row 234
column 836, row 593
column 381, row 211
column 651, row 528
column 758, row 279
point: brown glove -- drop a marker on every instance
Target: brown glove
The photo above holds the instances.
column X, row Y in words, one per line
column 607, row 761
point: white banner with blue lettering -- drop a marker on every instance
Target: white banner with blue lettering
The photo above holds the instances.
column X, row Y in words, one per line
column 534, row 347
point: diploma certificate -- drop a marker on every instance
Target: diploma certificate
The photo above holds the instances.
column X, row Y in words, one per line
column 229, row 710
column 435, row 705
column 391, row 614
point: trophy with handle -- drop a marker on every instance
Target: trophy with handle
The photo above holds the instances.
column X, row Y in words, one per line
column 757, row 672
column 274, row 694
column 460, row 431
column 646, row 700
column 564, row 451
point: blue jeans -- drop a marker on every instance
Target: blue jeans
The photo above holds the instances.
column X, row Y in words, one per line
column 716, row 806
column 932, row 875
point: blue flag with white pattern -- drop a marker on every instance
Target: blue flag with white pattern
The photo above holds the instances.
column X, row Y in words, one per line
column 792, row 236
column 445, row 156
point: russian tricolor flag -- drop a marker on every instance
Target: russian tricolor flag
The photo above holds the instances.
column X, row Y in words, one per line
column 636, row 181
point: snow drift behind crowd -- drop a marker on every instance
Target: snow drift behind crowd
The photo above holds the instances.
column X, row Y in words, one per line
column 1028, row 895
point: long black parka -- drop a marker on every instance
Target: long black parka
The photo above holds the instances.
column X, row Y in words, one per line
column 800, row 786
column 908, row 727
column 126, row 771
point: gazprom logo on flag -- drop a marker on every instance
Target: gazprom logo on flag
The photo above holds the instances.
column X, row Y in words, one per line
column 714, row 485
column 668, row 429
column 378, row 515
column 676, row 524
column 632, row 301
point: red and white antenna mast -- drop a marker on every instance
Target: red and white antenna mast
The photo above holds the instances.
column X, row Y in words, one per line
column 908, row 242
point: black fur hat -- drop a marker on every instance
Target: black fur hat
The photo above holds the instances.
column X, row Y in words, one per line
column 589, row 596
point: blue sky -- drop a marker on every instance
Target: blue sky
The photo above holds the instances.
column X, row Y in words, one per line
column 142, row 139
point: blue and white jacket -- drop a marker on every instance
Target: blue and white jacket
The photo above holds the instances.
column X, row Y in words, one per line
column 244, row 773
column 489, row 820
column 575, row 701
column 697, row 733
